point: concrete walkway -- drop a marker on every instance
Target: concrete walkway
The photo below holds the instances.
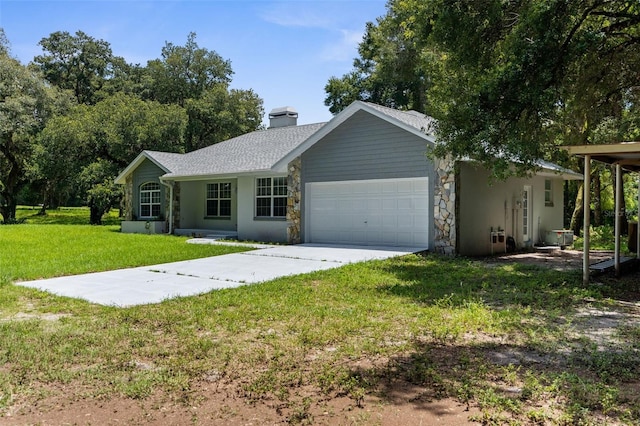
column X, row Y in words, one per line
column 153, row 284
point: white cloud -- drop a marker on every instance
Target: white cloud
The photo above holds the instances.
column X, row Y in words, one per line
column 343, row 49
column 290, row 14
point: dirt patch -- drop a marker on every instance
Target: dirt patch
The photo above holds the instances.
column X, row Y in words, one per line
column 208, row 404
column 554, row 258
column 26, row 316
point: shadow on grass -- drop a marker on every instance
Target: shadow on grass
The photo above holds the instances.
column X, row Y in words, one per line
column 508, row 383
column 65, row 216
column 432, row 279
column 514, row 371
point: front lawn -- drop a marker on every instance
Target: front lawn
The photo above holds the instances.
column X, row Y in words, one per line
column 364, row 344
column 61, row 243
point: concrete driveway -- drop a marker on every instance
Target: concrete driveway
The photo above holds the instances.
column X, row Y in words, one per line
column 155, row 283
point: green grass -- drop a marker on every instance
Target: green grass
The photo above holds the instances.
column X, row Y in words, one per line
column 61, row 243
column 602, row 238
column 63, row 216
column 436, row 323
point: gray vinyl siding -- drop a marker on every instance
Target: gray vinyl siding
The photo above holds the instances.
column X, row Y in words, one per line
column 146, row 172
column 366, row 147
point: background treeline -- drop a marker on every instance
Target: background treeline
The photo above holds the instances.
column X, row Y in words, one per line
column 508, row 82
column 75, row 116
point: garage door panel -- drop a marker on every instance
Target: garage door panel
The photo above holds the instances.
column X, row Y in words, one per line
column 389, row 212
column 374, row 204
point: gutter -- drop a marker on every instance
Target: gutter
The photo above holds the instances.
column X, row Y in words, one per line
column 170, row 186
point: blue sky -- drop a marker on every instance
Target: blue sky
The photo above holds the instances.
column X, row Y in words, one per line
column 285, row 51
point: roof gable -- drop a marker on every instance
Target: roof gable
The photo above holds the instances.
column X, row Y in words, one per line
column 412, row 121
column 164, row 160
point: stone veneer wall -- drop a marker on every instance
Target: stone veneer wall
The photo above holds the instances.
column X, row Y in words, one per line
column 176, row 206
column 444, row 210
column 127, row 202
column 294, row 195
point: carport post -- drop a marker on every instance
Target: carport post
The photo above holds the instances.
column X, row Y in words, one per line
column 586, row 199
column 616, row 255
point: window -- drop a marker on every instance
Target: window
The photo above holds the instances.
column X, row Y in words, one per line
column 150, row 200
column 219, row 199
column 271, row 197
column 526, row 213
column 548, row 192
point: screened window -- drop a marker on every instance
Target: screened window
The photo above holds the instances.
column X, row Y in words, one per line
column 271, row 197
column 219, row 199
column 548, row 192
column 150, row 200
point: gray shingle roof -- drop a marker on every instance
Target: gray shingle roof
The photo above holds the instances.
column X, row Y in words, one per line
column 254, row 151
column 261, row 150
column 170, row 161
column 412, row 118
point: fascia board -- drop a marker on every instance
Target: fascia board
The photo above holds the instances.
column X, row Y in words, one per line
column 193, row 178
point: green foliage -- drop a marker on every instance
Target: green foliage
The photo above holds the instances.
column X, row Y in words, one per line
column 221, row 114
column 78, row 63
column 507, row 81
column 84, row 150
column 197, row 79
column 26, row 103
column 186, row 72
column 178, row 103
column 392, row 68
column 97, row 181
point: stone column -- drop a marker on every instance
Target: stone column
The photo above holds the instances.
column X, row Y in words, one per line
column 176, row 206
column 444, row 206
column 127, row 202
column 294, row 195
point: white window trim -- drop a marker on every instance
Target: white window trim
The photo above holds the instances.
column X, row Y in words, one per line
column 150, row 203
column 271, row 197
column 207, row 199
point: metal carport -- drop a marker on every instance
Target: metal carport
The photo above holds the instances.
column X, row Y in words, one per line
column 624, row 155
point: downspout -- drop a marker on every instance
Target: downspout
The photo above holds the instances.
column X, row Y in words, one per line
column 170, row 186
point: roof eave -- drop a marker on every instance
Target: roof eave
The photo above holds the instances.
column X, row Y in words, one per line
column 213, row 176
column 565, row 174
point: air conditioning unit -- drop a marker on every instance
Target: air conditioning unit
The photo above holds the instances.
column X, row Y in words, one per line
column 559, row 237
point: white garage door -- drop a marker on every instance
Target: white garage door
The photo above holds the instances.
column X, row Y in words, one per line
column 373, row 212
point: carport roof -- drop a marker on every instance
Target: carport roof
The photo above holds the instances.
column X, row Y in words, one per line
column 625, row 154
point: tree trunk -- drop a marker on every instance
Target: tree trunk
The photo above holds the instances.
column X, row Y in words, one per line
column 8, row 208
column 95, row 217
column 11, row 185
column 597, row 197
column 577, row 216
column 623, row 205
column 45, row 197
